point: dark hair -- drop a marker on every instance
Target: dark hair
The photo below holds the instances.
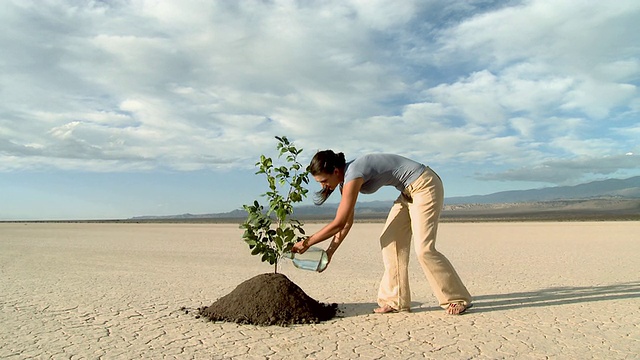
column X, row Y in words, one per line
column 325, row 162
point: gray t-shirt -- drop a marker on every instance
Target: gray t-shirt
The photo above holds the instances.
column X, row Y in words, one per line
column 378, row 170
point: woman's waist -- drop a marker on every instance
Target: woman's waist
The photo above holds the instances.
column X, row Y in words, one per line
column 426, row 180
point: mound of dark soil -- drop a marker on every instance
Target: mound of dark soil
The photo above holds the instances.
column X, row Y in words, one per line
column 269, row 299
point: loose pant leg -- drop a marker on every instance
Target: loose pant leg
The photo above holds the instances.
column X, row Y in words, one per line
column 395, row 242
column 427, row 195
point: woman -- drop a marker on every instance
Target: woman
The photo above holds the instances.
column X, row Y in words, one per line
column 415, row 212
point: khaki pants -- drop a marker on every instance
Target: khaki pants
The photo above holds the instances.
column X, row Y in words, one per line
column 416, row 212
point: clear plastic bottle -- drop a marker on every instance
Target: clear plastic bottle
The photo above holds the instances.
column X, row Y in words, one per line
column 314, row 259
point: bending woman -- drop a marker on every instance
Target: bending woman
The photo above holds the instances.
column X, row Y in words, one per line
column 415, row 213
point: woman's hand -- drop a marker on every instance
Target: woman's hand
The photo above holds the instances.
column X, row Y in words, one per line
column 301, row 246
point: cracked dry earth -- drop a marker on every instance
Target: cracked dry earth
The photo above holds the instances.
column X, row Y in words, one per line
column 542, row 290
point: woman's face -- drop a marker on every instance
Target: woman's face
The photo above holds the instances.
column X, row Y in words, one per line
column 329, row 180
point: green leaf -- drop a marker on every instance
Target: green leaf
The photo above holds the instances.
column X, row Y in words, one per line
column 289, row 235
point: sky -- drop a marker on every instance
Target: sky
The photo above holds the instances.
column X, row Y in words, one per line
column 115, row 109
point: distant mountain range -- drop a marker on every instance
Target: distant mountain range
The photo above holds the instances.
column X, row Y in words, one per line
column 612, row 198
column 611, row 188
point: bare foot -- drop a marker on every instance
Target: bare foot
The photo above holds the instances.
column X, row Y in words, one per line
column 457, row 308
column 384, row 310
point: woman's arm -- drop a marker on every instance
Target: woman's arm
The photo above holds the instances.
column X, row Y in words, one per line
column 339, row 237
column 344, row 216
column 337, row 240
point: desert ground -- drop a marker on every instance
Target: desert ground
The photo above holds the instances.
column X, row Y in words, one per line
column 543, row 290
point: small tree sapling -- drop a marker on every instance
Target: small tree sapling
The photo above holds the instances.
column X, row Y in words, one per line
column 286, row 187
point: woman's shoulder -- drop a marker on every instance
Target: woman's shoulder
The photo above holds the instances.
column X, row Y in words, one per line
column 377, row 157
column 364, row 159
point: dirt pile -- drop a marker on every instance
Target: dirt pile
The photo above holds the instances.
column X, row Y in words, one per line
column 269, row 299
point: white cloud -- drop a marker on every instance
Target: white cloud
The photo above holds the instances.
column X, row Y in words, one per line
column 524, row 126
column 577, row 34
column 582, row 41
column 568, row 171
column 476, row 98
column 191, row 84
column 597, row 99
